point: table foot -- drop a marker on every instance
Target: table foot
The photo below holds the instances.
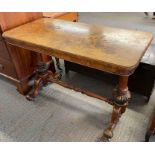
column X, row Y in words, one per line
column 30, row 97
column 108, row 132
column 103, row 139
column 116, row 114
column 121, row 97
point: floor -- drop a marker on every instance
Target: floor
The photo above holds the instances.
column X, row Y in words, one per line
column 59, row 114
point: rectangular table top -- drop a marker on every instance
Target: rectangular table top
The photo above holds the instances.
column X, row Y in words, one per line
column 109, row 49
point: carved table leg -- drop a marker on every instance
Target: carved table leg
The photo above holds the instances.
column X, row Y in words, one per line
column 121, row 97
column 43, row 73
column 35, row 91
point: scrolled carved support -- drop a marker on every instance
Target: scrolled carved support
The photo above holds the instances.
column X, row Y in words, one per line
column 121, row 97
column 44, row 71
column 32, row 94
column 116, row 114
column 108, row 132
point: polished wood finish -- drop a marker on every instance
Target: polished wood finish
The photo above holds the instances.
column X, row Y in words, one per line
column 6, row 67
column 141, row 82
column 151, row 127
column 121, row 97
column 70, row 16
column 94, row 46
column 9, row 20
column 11, row 65
column 103, row 48
column 3, row 50
column 11, row 56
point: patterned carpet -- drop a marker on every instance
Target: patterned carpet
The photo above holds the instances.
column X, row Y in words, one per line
column 59, row 114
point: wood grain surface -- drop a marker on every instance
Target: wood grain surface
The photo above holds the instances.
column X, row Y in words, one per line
column 109, row 49
column 9, row 20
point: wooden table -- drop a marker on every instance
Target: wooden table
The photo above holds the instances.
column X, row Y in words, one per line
column 113, row 50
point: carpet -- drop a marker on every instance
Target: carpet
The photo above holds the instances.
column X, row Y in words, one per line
column 60, row 114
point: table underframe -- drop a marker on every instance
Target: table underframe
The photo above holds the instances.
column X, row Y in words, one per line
column 46, row 73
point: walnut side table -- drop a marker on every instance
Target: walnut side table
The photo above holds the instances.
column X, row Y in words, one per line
column 113, row 50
